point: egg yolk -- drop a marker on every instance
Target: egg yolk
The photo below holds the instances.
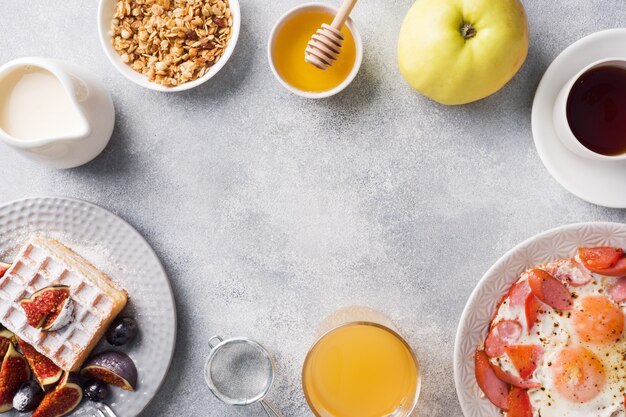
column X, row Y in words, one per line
column 598, row 320
column 578, row 374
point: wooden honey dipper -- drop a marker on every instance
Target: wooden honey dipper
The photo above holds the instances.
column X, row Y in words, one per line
column 325, row 45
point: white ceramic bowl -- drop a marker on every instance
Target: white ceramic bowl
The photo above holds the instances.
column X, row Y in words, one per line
column 556, row 243
column 106, row 11
column 357, row 41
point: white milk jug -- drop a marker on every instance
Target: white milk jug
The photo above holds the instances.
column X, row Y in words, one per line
column 54, row 112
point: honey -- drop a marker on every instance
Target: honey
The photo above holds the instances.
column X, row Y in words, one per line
column 288, row 53
column 361, row 370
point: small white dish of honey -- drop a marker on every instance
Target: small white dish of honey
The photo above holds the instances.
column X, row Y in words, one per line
column 289, row 39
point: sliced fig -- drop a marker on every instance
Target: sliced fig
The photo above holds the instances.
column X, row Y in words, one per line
column 62, row 400
column 48, row 301
column 34, row 317
column 6, row 338
column 45, row 371
column 13, row 373
column 60, row 318
column 113, row 367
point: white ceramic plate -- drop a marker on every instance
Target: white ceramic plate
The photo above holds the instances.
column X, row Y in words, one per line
column 115, row 247
column 556, row 243
column 597, row 182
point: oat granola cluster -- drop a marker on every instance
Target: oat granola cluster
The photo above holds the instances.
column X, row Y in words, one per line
column 171, row 41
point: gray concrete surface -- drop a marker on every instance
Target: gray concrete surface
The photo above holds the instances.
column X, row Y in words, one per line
column 270, row 212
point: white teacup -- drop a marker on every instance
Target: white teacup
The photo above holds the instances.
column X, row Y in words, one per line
column 561, row 123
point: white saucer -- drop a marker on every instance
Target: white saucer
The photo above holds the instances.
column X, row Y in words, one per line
column 597, row 182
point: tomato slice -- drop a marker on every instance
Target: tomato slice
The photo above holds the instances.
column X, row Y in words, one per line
column 533, row 307
column 617, row 270
column 519, row 404
column 525, row 358
column 600, row 257
column 549, row 289
column 494, row 388
column 514, row 380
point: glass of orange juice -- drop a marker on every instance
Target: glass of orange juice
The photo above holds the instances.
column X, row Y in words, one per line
column 361, row 368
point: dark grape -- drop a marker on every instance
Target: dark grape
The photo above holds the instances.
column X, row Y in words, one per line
column 28, row 396
column 96, row 390
column 122, row 331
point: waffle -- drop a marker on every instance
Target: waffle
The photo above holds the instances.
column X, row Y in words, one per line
column 97, row 300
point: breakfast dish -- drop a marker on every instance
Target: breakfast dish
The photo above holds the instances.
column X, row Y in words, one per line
column 555, row 346
column 591, row 180
column 54, row 308
column 542, row 333
column 133, row 351
column 95, row 299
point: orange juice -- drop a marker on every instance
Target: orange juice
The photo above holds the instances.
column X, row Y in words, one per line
column 288, row 53
column 361, row 370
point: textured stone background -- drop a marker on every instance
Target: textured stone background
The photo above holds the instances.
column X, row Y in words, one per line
column 270, row 212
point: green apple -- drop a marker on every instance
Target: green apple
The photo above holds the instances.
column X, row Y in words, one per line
column 459, row 51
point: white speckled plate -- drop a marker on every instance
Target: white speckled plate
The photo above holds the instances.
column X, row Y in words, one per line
column 597, row 182
column 115, row 247
column 556, row 243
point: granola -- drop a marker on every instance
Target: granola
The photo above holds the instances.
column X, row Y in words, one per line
column 171, row 41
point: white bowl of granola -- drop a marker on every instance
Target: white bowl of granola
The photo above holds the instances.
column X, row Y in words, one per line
column 169, row 45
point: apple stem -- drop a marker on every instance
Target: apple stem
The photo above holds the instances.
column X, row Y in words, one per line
column 468, row 31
